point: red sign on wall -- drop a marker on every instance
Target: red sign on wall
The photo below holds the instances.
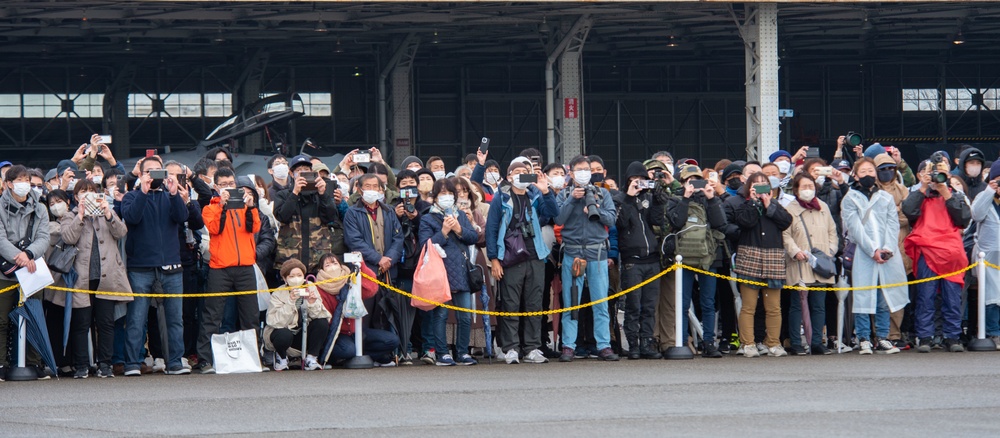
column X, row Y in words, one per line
column 570, row 107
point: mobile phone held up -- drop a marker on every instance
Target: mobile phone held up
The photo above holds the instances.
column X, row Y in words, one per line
column 812, row 152
column 699, row 184
column 762, row 189
column 235, row 201
column 484, row 145
column 310, row 178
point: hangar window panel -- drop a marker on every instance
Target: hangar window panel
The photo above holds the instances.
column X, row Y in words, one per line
column 10, row 106
column 317, row 104
column 183, row 105
column 37, row 106
column 991, row 98
column 139, row 105
column 218, row 104
column 920, row 99
column 89, row 105
column 957, row 99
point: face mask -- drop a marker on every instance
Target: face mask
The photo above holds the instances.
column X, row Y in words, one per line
column 70, row 187
column 518, row 184
column 260, row 192
column 97, row 179
column 670, row 168
column 557, row 182
column 439, row 174
column 734, row 183
column 807, row 195
column 414, row 168
column 344, row 187
column 493, row 178
column 370, row 196
column 581, row 177
column 446, row 202
column 886, row 175
column 867, row 181
column 775, row 182
column 381, row 197
column 957, row 188
column 59, row 209
column 820, row 180
column 37, row 190
column 21, row 189
column 973, row 170
column 784, row 167
column 280, row 171
column 295, row 280
column 425, row 186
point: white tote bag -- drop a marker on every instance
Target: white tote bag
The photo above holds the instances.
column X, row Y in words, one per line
column 236, row 352
column 263, row 298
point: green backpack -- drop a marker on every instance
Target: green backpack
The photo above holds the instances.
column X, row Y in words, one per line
column 697, row 241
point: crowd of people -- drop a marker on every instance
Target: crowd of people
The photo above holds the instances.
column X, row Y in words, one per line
column 541, row 235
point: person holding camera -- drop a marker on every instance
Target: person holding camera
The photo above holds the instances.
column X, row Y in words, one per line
column 697, row 219
column 310, row 222
column 372, row 228
column 586, row 212
column 95, row 230
column 24, row 225
column 872, row 224
column 190, row 238
column 638, row 212
column 408, row 209
column 937, row 214
column 231, row 220
column 283, row 332
column 154, row 213
column 517, row 254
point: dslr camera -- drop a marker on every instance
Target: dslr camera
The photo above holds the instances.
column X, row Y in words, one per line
column 592, row 195
column 936, row 175
column 408, row 194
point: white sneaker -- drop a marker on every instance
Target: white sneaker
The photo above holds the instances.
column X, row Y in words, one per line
column 777, row 351
column 280, row 363
column 751, row 351
column 148, row 361
column 739, row 351
column 886, row 347
column 536, row 356
column 866, row 347
column 159, row 366
column 511, row 357
column 185, row 363
column 312, row 364
column 843, row 348
column 762, row 349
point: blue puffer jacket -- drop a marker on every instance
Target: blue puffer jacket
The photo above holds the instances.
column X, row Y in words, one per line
column 454, row 246
column 154, row 221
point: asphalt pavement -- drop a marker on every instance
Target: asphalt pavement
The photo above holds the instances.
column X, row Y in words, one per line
column 911, row 394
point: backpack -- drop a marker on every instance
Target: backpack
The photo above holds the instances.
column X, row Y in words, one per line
column 696, row 242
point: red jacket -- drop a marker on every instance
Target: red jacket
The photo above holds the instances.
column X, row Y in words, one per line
column 231, row 244
column 368, row 290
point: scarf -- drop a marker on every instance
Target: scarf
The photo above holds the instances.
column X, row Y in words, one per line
column 811, row 205
column 332, row 287
column 732, row 192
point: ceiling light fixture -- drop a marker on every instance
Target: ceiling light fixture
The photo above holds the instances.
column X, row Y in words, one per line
column 219, row 37
column 338, row 48
column 357, row 72
column 320, row 26
column 84, row 23
column 959, row 39
column 128, row 44
column 671, row 42
column 435, row 40
column 544, row 27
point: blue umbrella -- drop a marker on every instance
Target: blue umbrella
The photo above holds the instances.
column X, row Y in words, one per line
column 488, row 331
column 38, row 335
column 335, row 322
column 70, row 279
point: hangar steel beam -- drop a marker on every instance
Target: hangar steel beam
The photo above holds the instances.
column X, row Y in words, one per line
column 564, row 134
column 400, row 109
column 759, row 31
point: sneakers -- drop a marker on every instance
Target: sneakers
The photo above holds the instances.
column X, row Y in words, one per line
column 81, row 373
column 937, row 343
column 104, row 371
column 185, row 363
column 511, row 357
column 796, row 351
column 954, row 345
column 205, row 368
column 280, row 363
column 866, row 347
column 777, row 351
column 567, row 355
column 819, row 349
column 176, row 371
column 762, row 349
column 650, row 349
column 710, row 351
column 901, row 344
column 536, row 356
column 429, row 357
column 996, row 341
column 159, row 366
column 445, row 361
column 133, row 372
column 923, row 345
column 466, row 359
column 750, row 351
column 886, row 347
column 311, row 363
column 607, row 354
column 377, row 364
column 407, row 359
column 739, row 351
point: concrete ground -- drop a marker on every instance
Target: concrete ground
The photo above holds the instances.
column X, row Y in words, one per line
column 911, row 394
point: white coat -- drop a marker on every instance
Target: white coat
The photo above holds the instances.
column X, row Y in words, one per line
column 988, row 241
column 879, row 231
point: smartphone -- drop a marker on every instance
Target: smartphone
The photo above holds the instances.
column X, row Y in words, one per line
column 150, row 152
column 182, row 179
column 362, row 157
column 714, row 176
column 353, row 257
column 105, row 139
column 824, row 170
column 527, row 178
column 464, row 204
column 99, row 197
column 80, row 174
column 536, row 163
column 160, row 174
column 812, row 152
column 310, row 178
column 762, row 189
column 408, row 193
column 235, row 199
column 890, row 149
column 484, row 145
column 645, row 184
column 596, row 178
column 699, row 183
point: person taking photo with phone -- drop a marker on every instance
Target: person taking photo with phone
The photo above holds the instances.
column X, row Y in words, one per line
column 310, row 223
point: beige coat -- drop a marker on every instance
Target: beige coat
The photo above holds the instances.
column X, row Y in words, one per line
column 81, row 233
column 822, row 232
column 282, row 313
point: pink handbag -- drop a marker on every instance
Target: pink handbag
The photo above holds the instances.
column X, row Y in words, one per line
column 430, row 279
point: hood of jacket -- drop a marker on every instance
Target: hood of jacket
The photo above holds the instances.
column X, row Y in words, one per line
column 635, row 168
column 969, row 155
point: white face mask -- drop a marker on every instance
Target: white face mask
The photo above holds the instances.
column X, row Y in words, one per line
column 280, row 171
column 807, row 195
column 21, row 189
column 775, row 182
column 344, row 187
column 97, row 179
column 439, row 175
column 446, row 202
column 820, row 180
column 295, row 280
column 371, row 196
column 670, row 168
column 59, row 209
column 581, row 177
column 260, row 192
column 784, row 167
column 518, row 184
column 557, row 181
column 69, row 188
column 973, row 170
column 37, row 190
column 492, row 178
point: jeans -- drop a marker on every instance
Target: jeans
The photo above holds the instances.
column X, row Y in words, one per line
column 992, row 320
column 597, row 280
column 863, row 325
column 378, row 344
column 817, row 317
column 951, row 303
column 427, row 329
column 640, row 305
column 464, row 326
column 706, row 289
column 135, row 324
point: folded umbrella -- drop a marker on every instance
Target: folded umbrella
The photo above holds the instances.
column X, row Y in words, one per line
column 335, row 323
column 33, row 317
column 70, row 279
column 487, row 330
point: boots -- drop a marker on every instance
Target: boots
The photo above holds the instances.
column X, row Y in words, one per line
column 650, row 349
column 633, row 348
column 709, row 350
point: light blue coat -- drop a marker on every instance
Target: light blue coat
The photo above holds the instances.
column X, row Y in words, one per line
column 988, row 241
column 879, row 231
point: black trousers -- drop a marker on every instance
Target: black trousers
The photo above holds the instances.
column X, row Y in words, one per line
column 192, row 309
column 237, row 278
column 283, row 338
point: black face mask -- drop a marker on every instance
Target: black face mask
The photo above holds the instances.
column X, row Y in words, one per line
column 155, row 184
column 734, row 184
column 886, row 175
column 867, row 182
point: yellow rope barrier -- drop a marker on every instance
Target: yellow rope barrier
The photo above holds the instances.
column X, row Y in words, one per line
column 199, row 295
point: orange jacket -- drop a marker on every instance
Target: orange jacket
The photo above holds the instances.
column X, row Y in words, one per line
column 230, row 243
